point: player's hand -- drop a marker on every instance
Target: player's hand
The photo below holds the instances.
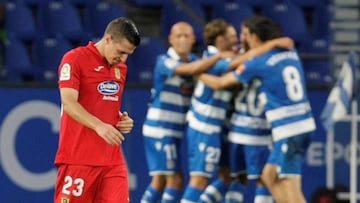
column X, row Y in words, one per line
column 284, row 42
column 125, row 124
column 110, row 134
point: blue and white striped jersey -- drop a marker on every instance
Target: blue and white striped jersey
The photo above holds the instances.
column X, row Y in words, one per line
column 208, row 107
column 170, row 99
column 248, row 123
column 287, row 107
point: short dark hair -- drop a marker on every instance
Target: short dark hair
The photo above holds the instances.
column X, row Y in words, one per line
column 124, row 27
column 264, row 28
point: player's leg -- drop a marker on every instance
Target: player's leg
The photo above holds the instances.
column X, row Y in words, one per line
column 262, row 194
column 195, row 188
column 293, row 186
column 270, row 173
column 256, row 157
column 174, row 178
column 282, row 174
column 269, row 177
column 155, row 160
column 294, row 151
column 236, row 191
column 284, row 189
column 217, row 189
column 154, row 190
column 173, row 189
column 204, row 155
column 114, row 186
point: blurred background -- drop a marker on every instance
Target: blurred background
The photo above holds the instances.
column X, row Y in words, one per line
column 34, row 34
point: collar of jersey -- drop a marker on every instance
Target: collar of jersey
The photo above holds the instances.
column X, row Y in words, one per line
column 212, row 49
column 172, row 53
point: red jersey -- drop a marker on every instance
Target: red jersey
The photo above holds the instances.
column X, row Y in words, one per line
column 100, row 88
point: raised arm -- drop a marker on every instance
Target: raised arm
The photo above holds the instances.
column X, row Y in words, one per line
column 282, row 42
column 201, row 65
column 219, row 82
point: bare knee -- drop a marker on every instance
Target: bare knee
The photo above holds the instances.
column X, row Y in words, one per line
column 158, row 182
column 199, row 182
column 269, row 176
column 175, row 181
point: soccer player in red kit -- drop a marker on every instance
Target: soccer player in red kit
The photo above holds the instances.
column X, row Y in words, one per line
column 91, row 167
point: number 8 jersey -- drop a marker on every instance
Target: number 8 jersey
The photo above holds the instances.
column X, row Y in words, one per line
column 287, row 107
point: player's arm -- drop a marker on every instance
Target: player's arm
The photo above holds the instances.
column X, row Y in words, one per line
column 70, row 105
column 219, row 82
column 201, row 65
column 282, row 42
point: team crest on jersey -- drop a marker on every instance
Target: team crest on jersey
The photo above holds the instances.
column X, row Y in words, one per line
column 109, row 89
column 65, row 72
column 65, row 200
column 117, row 73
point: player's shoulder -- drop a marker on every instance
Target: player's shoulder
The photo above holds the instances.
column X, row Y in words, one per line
column 278, row 55
column 78, row 52
column 258, row 59
column 166, row 60
column 162, row 56
column 282, row 51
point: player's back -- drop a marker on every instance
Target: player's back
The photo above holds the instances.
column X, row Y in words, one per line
column 248, row 122
column 288, row 108
column 283, row 79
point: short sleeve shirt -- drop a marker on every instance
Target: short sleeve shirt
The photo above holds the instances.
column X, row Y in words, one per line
column 100, row 88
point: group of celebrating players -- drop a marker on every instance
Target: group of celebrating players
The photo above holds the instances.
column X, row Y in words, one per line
column 242, row 112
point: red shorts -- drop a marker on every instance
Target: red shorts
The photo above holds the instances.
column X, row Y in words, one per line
column 100, row 184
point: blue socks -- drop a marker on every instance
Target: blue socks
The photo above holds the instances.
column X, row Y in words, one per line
column 151, row 195
column 215, row 192
column 191, row 194
column 171, row 195
column 235, row 193
column 263, row 195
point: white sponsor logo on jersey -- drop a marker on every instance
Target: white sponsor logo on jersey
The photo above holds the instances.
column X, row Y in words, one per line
column 97, row 69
